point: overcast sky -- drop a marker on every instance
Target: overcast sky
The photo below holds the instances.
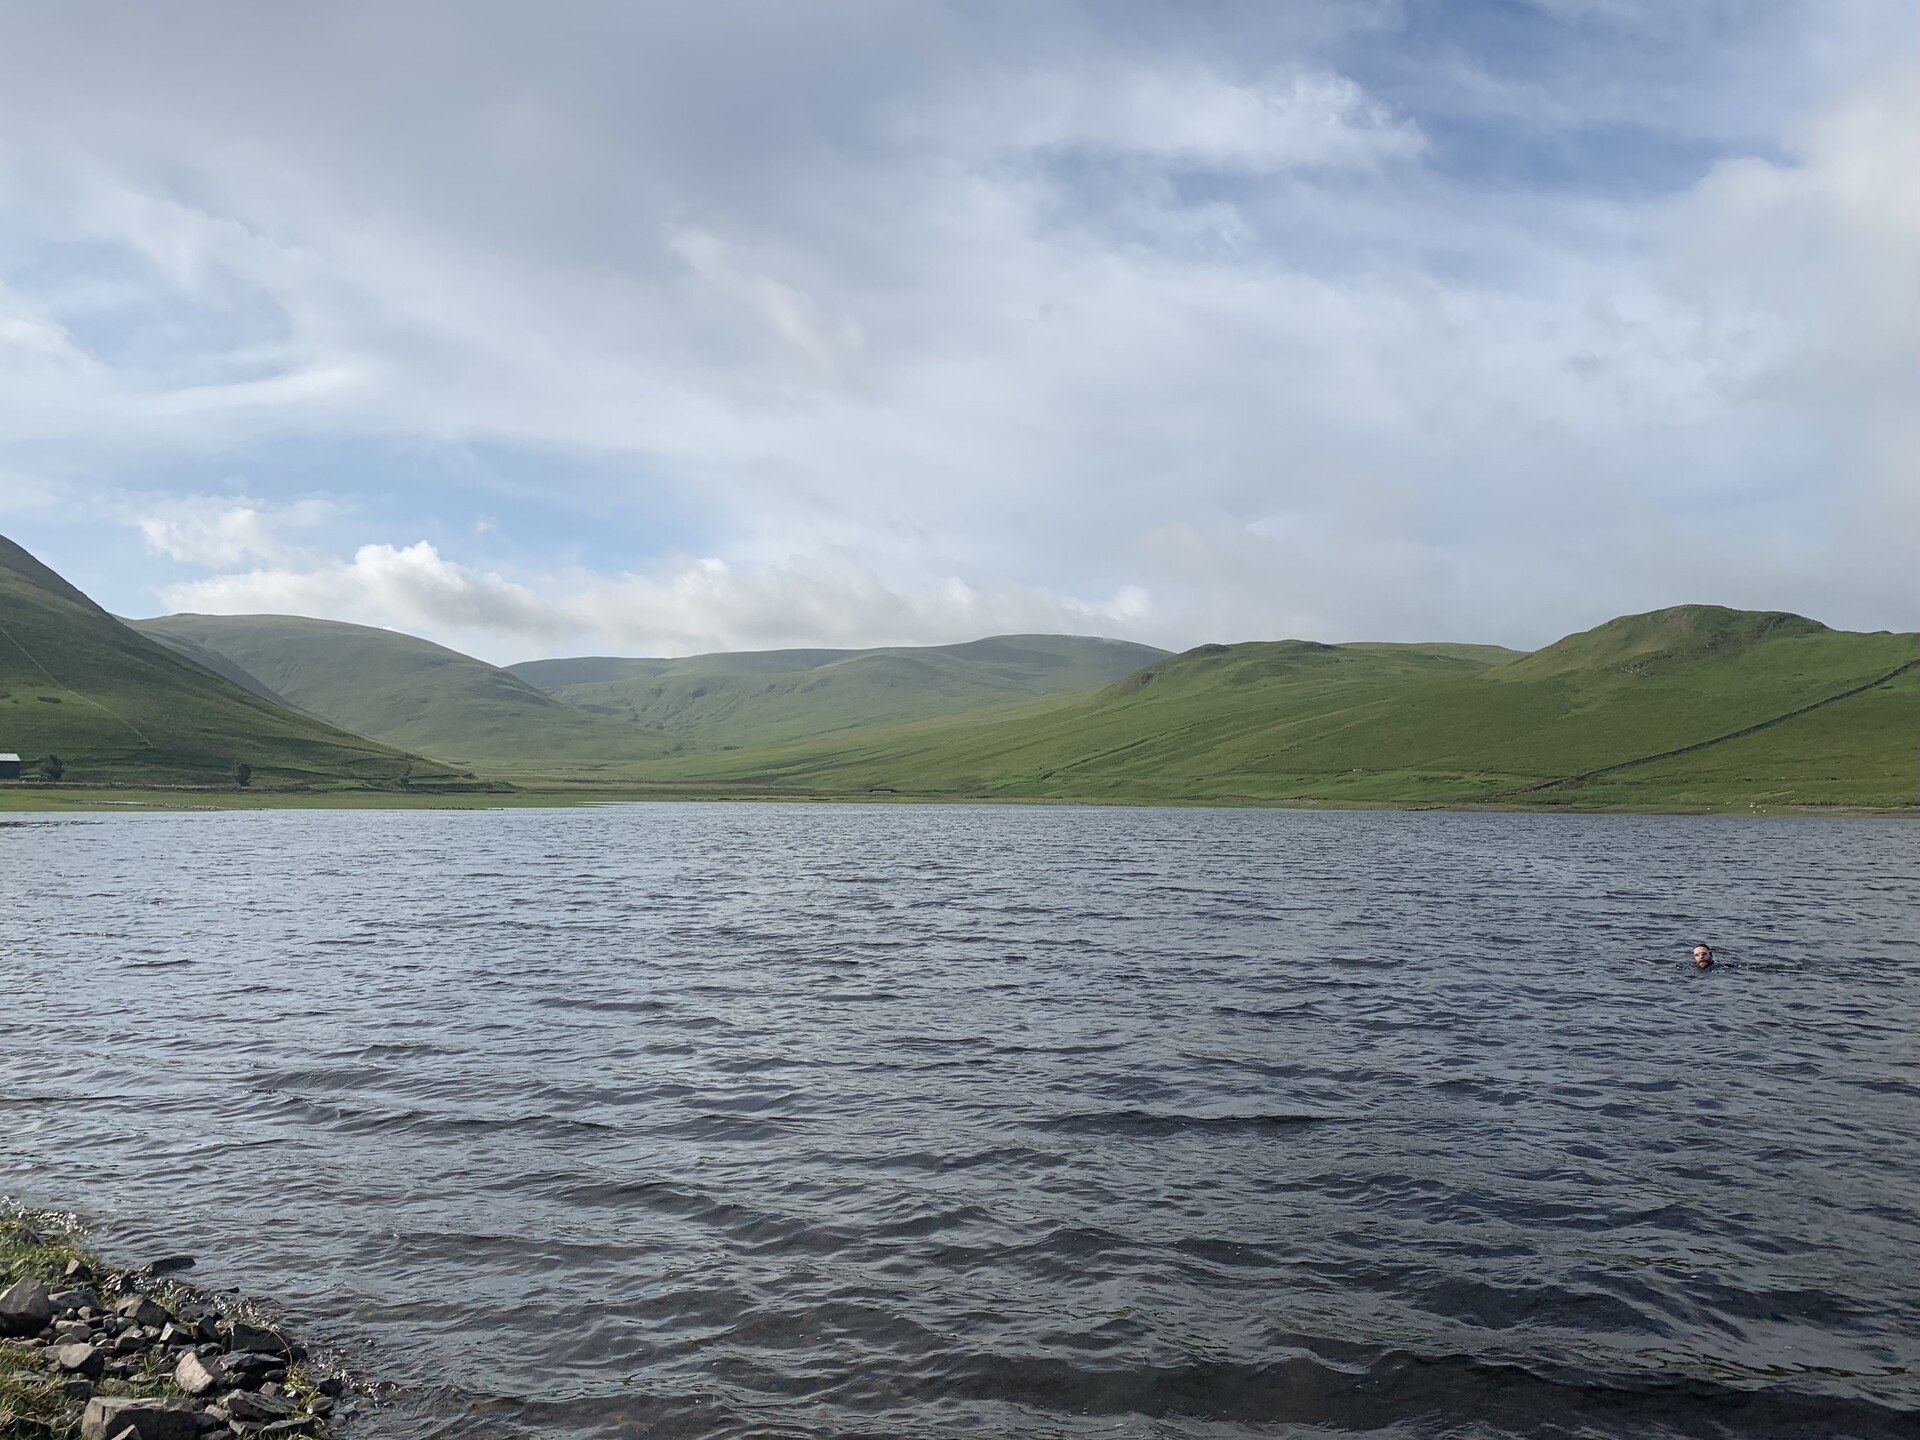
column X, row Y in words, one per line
column 656, row 328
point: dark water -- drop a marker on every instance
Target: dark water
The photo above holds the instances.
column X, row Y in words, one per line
column 817, row 1121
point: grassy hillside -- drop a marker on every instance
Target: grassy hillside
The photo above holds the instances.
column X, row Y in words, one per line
column 120, row 709
column 773, row 697
column 412, row 693
column 1293, row 720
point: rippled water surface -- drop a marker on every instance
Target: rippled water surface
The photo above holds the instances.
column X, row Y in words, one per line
column 847, row 1121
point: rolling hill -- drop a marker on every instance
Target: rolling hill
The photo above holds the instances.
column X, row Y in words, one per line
column 412, row 693
column 1694, row 705
column 120, row 709
column 772, row 697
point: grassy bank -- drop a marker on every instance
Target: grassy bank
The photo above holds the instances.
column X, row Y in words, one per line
column 34, row 1403
column 1620, row 800
column 103, row 1338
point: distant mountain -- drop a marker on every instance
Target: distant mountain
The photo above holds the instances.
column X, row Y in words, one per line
column 410, row 692
column 120, row 709
column 771, row 697
column 1693, row 705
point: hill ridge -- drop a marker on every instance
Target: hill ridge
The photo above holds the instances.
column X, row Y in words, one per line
column 409, row 691
column 167, row 719
column 1765, row 705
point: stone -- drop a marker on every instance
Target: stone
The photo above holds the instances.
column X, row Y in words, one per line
column 128, row 1343
column 246, row 1405
column 83, row 1297
column 256, row 1338
column 254, row 1366
column 298, row 1426
column 197, row 1376
column 72, row 1332
column 25, row 1308
column 170, row 1265
column 77, row 1390
column 109, row 1417
column 142, row 1310
column 175, row 1336
column 78, row 1360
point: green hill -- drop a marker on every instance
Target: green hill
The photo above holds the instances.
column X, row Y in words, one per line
column 1594, row 718
column 772, row 697
column 120, row 709
column 412, row 693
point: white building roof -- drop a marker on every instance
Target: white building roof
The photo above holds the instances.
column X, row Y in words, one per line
column 6, row 755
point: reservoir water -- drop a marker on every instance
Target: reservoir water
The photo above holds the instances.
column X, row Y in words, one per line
column 735, row 1120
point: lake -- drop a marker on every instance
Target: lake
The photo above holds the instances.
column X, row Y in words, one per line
column 784, row 1120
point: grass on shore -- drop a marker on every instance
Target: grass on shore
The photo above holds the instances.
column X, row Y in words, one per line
column 41, row 1244
column 1620, row 798
column 50, row 1246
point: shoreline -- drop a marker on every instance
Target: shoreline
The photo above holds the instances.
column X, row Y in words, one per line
column 89, row 1351
column 28, row 798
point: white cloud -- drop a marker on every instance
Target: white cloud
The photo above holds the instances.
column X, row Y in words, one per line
column 685, row 605
column 220, row 534
column 1181, row 113
column 830, row 341
column 920, row 319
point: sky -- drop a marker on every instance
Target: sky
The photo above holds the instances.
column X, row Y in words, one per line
column 658, row 329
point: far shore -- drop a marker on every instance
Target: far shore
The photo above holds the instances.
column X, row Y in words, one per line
column 43, row 798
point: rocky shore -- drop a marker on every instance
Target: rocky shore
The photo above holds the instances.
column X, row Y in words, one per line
column 96, row 1353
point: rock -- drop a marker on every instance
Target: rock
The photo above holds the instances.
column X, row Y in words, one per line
column 78, row 1360
column 109, row 1417
column 128, row 1343
column 208, row 1327
column 83, row 1297
column 256, row 1338
column 72, row 1332
column 251, row 1366
column 300, row 1426
column 78, row 1271
column 142, row 1310
column 170, row 1265
column 246, row 1405
column 197, row 1376
column 77, row 1390
column 175, row 1336
column 25, row 1308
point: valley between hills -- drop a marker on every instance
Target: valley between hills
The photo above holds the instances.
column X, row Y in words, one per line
column 1697, row 707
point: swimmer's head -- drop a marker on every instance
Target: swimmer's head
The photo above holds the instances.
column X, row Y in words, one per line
column 1702, row 956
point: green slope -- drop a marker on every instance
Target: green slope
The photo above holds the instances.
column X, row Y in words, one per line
column 120, row 709
column 1293, row 720
column 760, row 698
column 412, row 693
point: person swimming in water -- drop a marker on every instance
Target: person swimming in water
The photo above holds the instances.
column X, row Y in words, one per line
column 1703, row 957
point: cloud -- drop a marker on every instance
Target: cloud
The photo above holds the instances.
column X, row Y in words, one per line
column 218, row 533
column 686, row 605
column 1180, row 113
column 1277, row 319
column 830, row 341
